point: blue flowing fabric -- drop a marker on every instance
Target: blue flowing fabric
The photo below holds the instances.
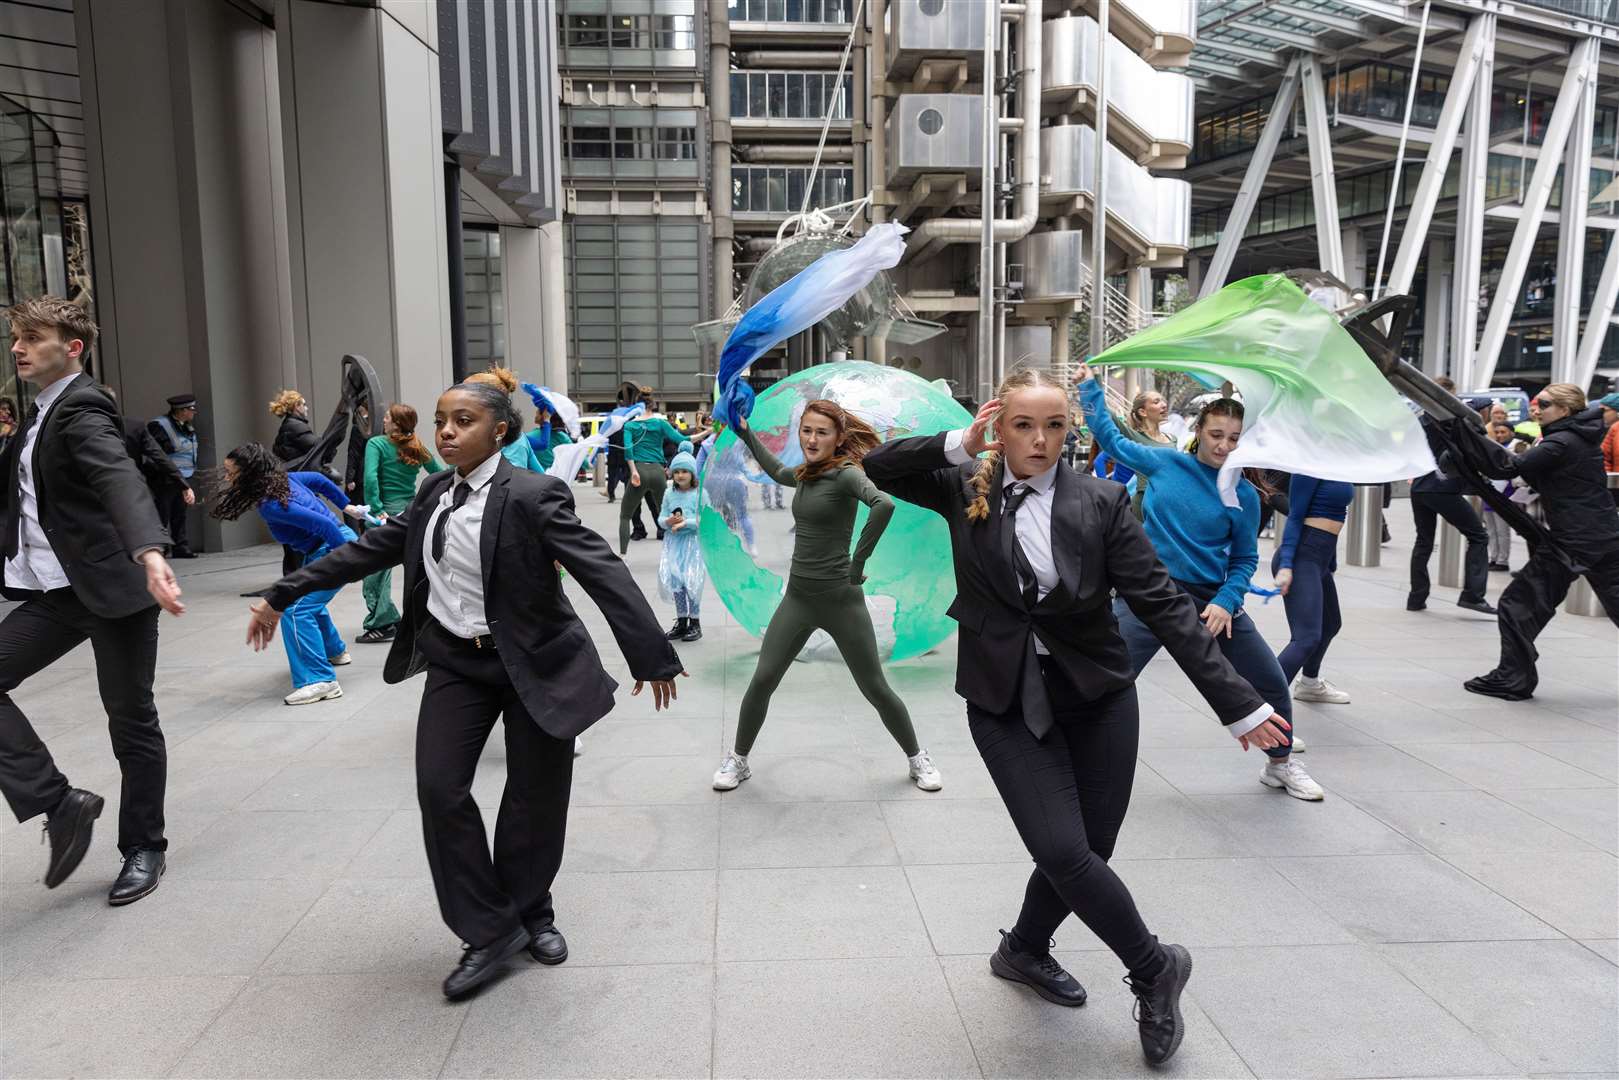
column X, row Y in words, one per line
column 796, row 305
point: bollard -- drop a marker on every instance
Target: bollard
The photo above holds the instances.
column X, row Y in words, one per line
column 1453, row 548
column 599, row 474
column 1364, row 526
column 1582, row 599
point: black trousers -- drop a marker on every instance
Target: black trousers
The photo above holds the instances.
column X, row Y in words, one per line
column 1426, row 510
column 1529, row 603
column 1067, row 794
column 480, row 898
column 36, row 635
column 172, row 506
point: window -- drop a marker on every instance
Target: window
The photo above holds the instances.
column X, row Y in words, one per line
column 629, row 31
column 589, row 142
column 778, row 189
column 677, row 143
column 674, row 32
column 584, row 31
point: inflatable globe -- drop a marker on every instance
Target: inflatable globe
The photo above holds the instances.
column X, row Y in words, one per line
column 747, row 541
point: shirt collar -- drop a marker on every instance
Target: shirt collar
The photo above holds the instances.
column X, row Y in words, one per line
column 1041, row 482
column 480, row 476
column 46, row 397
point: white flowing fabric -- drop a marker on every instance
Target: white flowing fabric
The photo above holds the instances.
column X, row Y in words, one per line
column 570, row 456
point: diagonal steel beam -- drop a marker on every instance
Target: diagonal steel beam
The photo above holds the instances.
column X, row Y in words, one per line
column 1323, row 178
column 1596, row 323
column 1581, row 69
column 1571, row 221
column 1253, row 181
column 1480, row 40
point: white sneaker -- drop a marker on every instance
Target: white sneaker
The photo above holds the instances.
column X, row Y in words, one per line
column 340, row 659
column 924, row 772
column 308, row 695
column 1298, row 745
column 578, row 746
column 1319, row 690
column 1290, row 774
column 732, row 771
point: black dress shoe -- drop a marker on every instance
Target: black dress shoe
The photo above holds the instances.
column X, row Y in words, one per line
column 1481, row 606
column 143, row 869
column 547, row 945
column 183, row 553
column 1416, row 605
column 1499, row 567
column 68, row 828
column 1038, row 971
column 1493, row 685
column 478, row 966
column 1158, row 1005
column 694, row 631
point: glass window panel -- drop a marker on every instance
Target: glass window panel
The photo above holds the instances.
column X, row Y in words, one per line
column 778, row 10
column 759, row 199
column 739, row 189
column 795, row 96
column 739, row 93
column 795, row 188
column 776, row 83
column 757, row 97
column 795, row 10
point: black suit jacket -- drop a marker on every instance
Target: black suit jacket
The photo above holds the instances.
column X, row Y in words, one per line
column 529, row 525
column 94, row 504
column 1098, row 545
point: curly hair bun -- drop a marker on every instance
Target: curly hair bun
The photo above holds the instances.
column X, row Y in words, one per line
column 496, row 376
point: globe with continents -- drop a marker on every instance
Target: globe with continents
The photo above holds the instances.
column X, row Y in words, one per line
column 747, row 540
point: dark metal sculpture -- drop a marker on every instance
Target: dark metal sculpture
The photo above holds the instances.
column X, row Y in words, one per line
column 358, row 415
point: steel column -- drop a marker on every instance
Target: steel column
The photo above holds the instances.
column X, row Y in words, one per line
column 1253, row 181
column 1571, row 215
column 1323, row 179
column 988, row 373
column 1596, row 323
column 1099, row 202
column 1478, row 45
column 1581, row 70
column 1475, row 163
column 1436, row 308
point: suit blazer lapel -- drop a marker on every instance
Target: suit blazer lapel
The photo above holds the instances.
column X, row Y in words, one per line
column 493, row 510
column 82, row 379
column 997, row 560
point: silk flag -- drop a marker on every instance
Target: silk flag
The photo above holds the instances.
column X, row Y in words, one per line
column 1313, row 401
column 798, row 304
column 557, row 404
column 570, row 456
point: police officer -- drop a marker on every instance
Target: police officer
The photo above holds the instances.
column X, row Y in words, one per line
column 176, row 434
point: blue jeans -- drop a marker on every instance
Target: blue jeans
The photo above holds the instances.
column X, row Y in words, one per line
column 308, row 633
column 686, row 604
column 1313, row 618
column 1245, row 650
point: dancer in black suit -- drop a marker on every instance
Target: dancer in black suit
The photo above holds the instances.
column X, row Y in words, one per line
column 84, row 550
column 485, row 616
column 1051, row 700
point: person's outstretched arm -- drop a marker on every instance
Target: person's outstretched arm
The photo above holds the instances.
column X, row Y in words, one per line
column 1300, row 493
column 1141, row 580
column 769, row 462
column 1139, row 457
column 858, row 485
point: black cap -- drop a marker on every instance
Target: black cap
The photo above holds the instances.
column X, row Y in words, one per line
column 182, row 401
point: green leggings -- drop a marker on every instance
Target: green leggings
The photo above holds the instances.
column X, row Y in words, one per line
column 651, row 490
column 839, row 608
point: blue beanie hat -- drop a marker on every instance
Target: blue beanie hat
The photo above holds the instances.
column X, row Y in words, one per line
column 684, row 460
column 1610, row 402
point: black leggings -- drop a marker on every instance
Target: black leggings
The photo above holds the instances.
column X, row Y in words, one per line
column 1067, row 794
column 1313, row 616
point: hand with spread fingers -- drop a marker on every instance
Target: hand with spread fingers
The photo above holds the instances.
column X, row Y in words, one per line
column 663, row 691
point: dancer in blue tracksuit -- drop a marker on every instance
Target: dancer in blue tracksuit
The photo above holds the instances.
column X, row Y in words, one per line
column 1303, row 566
column 1211, row 550
column 290, row 504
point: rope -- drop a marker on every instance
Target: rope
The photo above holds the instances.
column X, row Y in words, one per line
column 826, row 122
column 1399, row 156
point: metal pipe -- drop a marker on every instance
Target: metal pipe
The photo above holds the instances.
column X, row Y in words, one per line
column 986, row 202
column 787, row 58
column 795, row 153
column 936, row 232
column 719, row 113
column 1365, row 526
column 1099, row 192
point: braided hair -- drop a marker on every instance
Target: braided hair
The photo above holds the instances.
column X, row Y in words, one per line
column 1022, row 379
column 259, row 476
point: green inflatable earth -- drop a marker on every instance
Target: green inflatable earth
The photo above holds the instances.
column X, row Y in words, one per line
column 747, row 540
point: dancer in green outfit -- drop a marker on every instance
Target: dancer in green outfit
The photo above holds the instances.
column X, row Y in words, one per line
column 643, row 440
column 392, row 461
column 824, row 585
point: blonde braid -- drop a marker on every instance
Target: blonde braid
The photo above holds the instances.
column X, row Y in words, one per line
column 978, row 509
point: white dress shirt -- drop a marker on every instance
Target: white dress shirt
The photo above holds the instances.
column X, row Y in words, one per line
column 455, row 582
column 36, row 565
column 1034, row 534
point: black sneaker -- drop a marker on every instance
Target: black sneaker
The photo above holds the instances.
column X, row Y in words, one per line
column 547, row 945
column 1158, row 1005
column 68, row 829
column 1481, row 606
column 1040, row 972
column 678, row 630
column 478, row 966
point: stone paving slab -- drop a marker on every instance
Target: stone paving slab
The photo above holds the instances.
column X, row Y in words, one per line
column 1449, row 910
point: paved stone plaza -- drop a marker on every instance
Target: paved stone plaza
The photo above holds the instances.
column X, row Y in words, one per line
column 1449, row 910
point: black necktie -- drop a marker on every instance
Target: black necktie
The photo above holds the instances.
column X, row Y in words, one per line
column 13, row 542
column 1030, row 584
column 1035, row 703
column 462, row 490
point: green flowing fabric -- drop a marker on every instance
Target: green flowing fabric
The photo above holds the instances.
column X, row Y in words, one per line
column 1314, row 402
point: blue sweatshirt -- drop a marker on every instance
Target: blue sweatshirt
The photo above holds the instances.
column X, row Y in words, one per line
column 1200, row 540
column 1308, row 497
column 306, row 524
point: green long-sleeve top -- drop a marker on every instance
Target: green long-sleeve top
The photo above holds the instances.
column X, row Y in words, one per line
column 643, row 439
column 390, row 483
column 823, row 516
